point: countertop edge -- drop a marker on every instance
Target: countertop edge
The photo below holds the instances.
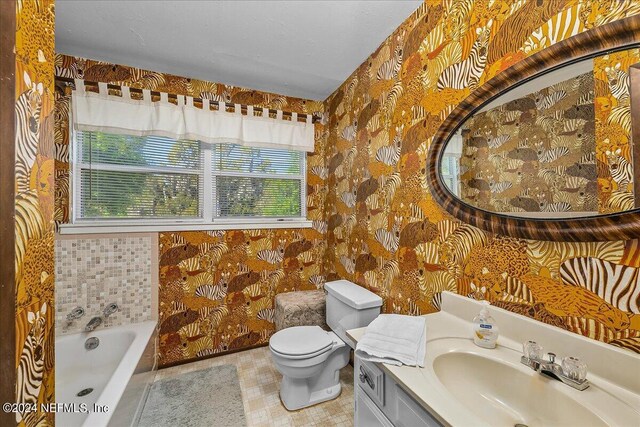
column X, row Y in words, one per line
column 355, row 334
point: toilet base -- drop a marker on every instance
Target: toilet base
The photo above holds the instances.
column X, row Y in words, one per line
column 298, row 393
column 316, row 397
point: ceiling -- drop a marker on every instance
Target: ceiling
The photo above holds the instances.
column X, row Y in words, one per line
column 298, row 48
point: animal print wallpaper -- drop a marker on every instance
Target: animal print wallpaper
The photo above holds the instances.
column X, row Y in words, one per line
column 613, row 128
column 34, row 200
column 385, row 232
column 535, row 153
column 216, row 288
column 374, row 221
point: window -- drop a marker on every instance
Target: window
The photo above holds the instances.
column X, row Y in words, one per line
column 121, row 179
column 257, row 182
column 450, row 172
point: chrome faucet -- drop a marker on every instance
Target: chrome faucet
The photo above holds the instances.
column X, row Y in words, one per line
column 93, row 323
column 110, row 309
column 571, row 372
column 75, row 314
column 97, row 321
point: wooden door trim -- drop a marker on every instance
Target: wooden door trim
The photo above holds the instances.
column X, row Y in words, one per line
column 7, row 209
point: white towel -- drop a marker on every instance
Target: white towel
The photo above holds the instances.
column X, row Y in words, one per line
column 394, row 339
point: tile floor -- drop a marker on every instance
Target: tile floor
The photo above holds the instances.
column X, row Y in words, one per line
column 260, row 383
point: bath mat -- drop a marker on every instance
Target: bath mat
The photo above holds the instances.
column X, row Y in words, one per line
column 208, row 397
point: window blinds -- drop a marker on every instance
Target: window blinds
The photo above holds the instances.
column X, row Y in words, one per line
column 136, row 177
column 257, row 182
column 124, row 176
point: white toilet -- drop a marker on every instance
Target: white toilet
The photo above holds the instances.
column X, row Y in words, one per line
column 310, row 358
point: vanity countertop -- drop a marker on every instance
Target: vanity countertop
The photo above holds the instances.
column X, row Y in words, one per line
column 439, row 325
column 423, row 385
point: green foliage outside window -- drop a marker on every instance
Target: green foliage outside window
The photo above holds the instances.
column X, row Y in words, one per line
column 137, row 189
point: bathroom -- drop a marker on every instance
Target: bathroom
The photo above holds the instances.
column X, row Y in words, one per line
column 291, row 213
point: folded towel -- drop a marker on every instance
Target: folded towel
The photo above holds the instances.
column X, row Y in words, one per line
column 394, row 339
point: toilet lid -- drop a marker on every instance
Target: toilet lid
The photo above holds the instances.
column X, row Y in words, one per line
column 301, row 340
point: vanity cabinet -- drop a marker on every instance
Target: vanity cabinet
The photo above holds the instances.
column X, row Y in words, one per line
column 381, row 402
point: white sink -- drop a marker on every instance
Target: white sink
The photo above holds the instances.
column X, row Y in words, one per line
column 465, row 385
column 496, row 388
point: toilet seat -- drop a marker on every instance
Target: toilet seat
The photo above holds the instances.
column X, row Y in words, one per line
column 301, row 342
column 310, row 358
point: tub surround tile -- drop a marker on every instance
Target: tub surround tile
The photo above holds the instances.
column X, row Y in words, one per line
column 96, row 271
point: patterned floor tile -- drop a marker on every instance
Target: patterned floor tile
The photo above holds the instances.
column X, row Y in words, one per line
column 260, row 385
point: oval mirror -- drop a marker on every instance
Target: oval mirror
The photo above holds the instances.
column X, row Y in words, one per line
column 544, row 152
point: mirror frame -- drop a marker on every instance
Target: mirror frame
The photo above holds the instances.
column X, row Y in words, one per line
column 613, row 36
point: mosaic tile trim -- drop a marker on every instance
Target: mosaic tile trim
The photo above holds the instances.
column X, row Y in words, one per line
column 93, row 272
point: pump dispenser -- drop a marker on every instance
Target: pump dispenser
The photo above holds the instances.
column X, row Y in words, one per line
column 485, row 330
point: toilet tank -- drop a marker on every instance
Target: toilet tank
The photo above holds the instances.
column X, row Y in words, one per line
column 350, row 306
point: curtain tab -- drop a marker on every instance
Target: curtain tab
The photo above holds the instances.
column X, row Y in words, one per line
column 222, row 106
column 250, row 110
column 237, row 108
column 206, row 104
column 79, row 86
column 279, row 115
column 190, row 101
column 294, row 117
column 309, row 118
column 180, row 100
column 265, row 113
column 103, row 89
column 126, row 92
column 164, row 97
column 146, row 96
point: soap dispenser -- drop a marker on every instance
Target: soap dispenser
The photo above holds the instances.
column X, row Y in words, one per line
column 485, row 330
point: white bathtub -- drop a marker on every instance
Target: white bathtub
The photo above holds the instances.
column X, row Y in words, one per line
column 120, row 371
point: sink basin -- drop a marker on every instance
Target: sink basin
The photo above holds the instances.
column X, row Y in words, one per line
column 462, row 384
column 493, row 387
column 506, row 396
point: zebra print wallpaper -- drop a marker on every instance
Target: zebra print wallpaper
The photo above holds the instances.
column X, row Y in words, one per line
column 385, row 232
column 533, row 153
column 34, row 201
column 216, row 288
column 613, row 125
column 374, row 221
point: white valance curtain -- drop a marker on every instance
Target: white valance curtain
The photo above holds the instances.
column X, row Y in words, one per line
column 123, row 115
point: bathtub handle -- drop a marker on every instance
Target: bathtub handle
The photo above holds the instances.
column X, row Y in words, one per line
column 75, row 314
column 110, row 309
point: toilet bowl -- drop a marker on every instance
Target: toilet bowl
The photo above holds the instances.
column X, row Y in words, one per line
column 310, row 358
column 310, row 372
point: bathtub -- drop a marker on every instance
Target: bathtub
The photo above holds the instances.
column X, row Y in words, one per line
column 120, row 372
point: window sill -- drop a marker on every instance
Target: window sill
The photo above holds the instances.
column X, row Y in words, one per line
column 111, row 228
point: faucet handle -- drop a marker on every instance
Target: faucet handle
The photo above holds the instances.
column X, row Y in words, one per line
column 110, row 309
column 532, row 350
column 574, row 368
column 552, row 357
column 76, row 313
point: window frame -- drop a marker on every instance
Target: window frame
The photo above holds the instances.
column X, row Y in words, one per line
column 454, row 172
column 208, row 221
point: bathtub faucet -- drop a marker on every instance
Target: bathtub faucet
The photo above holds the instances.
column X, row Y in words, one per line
column 75, row 314
column 110, row 309
column 93, row 323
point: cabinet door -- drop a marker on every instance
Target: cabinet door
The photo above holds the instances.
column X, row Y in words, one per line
column 410, row 414
column 372, row 380
column 367, row 413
